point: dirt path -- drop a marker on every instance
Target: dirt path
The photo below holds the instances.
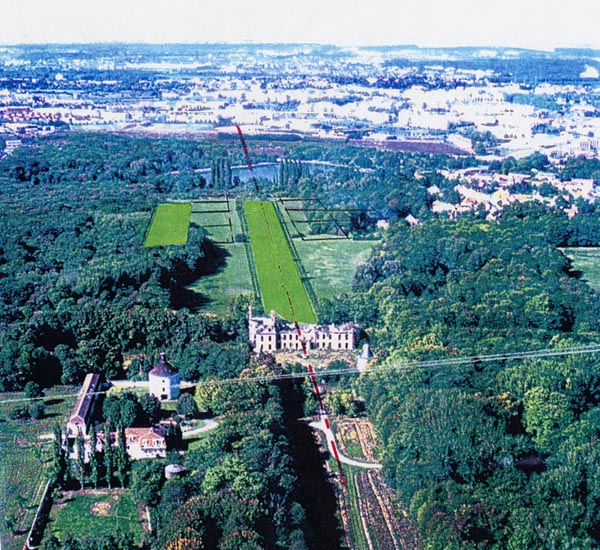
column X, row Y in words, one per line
column 209, row 424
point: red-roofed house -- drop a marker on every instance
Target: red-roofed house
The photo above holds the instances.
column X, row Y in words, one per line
column 146, row 442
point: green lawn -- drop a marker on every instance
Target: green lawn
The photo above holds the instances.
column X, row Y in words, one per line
column 216, row 225
column 218, row 218
column 281, row 287
column 212, row 206
column 586, row 260
column 95, row 513
column 231, row 281
column 331, row 264
column 170, row 224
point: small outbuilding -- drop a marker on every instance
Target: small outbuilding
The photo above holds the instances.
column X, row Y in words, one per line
column 163, row 380
column 173, row 470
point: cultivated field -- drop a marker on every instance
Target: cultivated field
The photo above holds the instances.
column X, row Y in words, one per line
column 170, row 224
column 25, row 451
column 586, row 260
column 368, row 508
column 95, row 512
column 280, row 283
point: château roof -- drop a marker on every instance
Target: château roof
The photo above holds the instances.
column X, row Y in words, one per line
column 163, row 368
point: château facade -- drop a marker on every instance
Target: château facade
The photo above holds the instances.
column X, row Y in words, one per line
column 268, row 334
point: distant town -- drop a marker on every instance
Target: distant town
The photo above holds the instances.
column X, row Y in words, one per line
column 491, row 103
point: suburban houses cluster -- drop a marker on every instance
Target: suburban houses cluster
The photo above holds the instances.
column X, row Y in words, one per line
column 403, row 93
column 478, row 187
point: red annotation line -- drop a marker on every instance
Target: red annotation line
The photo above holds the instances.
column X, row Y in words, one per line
column 317, row 391
column 302, row 342
column 239, row 131
column 247, row 155
column 329, row 433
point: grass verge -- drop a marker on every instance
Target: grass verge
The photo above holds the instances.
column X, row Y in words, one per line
column 331, row 264
column 586, row 260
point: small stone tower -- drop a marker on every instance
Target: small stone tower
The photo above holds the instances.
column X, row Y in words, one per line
column 163, row 380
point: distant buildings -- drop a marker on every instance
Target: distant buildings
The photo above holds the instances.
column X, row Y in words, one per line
column 268, row 334
column 478, row 187
column 11, row 145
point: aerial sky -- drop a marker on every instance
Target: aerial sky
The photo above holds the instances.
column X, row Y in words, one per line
column 536, row 24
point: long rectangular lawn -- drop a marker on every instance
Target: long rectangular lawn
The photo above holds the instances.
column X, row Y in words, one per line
column 280, row 283
column 170, row 224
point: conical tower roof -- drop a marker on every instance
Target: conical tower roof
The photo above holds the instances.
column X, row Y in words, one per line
column 162, row 368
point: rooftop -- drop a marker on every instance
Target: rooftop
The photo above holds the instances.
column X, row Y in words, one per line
column 86, row 396
column 163, row 368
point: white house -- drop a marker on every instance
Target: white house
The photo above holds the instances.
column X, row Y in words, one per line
column 146, row 442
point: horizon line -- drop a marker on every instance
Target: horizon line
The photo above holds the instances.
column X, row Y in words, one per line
column 553, row 49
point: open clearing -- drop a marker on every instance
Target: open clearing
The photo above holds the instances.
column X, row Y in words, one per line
column 170, row 225
column 331, row 264
column 232, row 280
column 95, row 512
column 220, row 219
column 326, row 264
column 281, row 287
column 586, row 260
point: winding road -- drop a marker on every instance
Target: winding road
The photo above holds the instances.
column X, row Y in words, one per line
column 324, row 426
column 209, row 424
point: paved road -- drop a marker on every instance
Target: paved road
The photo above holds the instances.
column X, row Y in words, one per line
column 325, row 427
column 209, row 425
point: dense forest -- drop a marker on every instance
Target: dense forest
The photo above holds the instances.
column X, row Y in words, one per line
column 484, row 455
column 77, row 288
column 487, row 455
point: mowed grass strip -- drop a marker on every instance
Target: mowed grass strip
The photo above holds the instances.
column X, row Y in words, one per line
column 280, row 283
column 170, row 224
